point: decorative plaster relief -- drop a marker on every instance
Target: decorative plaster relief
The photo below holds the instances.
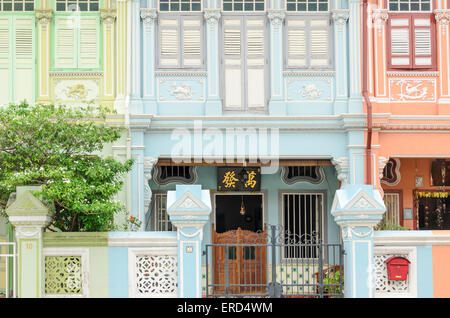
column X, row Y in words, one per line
column 76, row 90
column 310, row 89
column 412, row 90
column 108, row 16
column 44, row 16
column 182, row 90
column 212, row 16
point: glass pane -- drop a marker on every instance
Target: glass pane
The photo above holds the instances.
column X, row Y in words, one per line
column 249, row 7
column 163, row 6
column 196, row 7
column 227, row 7
column 301, row 7
column 312, row 7
column 393, row 6
column 185, row 7
column 323, row 7
column 238, row 7
column 174, row 7
column 290, row 7
column 7, row 7
column 426, row 7
column 259, row 7
column 93, row 7
column 83, row 6
column 29, row 6
column 18, row 6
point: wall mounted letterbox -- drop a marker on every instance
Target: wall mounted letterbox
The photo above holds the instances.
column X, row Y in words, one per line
column 397, row 268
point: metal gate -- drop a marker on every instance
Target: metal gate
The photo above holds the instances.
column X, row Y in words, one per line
column 273, row 263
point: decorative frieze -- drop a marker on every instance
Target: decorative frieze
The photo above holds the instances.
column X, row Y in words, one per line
column 212, row 16
column 44, row 16
column 108, row 16
column 148, row 16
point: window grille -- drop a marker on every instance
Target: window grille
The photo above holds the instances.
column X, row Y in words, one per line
column 16, row 5
column 243, row 5
column 307, row 5
column 302, row 219
column 180, row 5
column 77, row 5
column 171, row 174
column 160, row 218
column 293, row 174
column 409, row 5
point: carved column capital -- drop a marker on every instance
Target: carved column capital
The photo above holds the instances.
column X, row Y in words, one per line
column 379, row 17
column 341, row 165
column 340, row 16
column 108, row 16
column 148, row 16
column 44, row 16
column 212, row 16
column 276, row 17
column 442, row 17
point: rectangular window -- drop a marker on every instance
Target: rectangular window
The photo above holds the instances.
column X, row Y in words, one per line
column 16, row 5
column 302, row 221
column 159, row 219
column 410, row 5
column 77, row 5
column 180, row 41
column 307, row 5
column 77, row 42
column 411, row 41
column 180, row 5
column 308, row 42
column 243, row 5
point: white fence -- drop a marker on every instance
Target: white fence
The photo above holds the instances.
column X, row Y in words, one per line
column 8, row 266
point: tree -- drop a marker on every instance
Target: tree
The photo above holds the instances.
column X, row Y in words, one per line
column 55, row 146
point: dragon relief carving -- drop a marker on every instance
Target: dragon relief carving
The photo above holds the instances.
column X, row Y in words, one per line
column 413, row 90
column 310, row 91
column 77, row 91
column 181, row 92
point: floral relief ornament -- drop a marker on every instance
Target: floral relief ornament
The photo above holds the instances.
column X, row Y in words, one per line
column 310, row 91
column 181, row 92
column 148, row 15
column 44, row 16
column 108, row 15
column 212, row 16
column 276, row 17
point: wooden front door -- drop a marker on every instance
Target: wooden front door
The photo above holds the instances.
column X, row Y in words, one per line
column 239, row 261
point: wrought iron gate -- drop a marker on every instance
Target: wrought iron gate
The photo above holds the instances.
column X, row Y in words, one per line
column 273, row 263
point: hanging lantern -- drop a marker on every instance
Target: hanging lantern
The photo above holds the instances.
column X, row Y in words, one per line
column 242, row 212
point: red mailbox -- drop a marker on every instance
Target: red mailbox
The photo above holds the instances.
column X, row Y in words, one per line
column 397, row 268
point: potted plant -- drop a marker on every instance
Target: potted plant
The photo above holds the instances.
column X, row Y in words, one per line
column 332, row 281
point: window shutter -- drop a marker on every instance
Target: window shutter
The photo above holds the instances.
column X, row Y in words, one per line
column 24, row 59
column 89, row 39
column 233, row 62
column 255, row 62
column 423, row 44
column 319, row 43
column 169, row 42
column 296, row 42
column 5, row 51
column 192, row 42
column 400, row 42
column 65, row 46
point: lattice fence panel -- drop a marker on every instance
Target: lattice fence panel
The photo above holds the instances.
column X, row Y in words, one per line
column 63, row 275
column 156, row 275
column 382, row 283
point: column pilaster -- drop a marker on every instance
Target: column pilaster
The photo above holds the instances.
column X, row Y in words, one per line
column 149, row 17
column 43, row 17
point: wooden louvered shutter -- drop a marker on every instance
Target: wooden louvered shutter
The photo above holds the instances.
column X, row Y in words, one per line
column 65, row 43
column 89, row 39
column 233, row 62
column 192, row 43
column 296, row 42
column 423, row 32
column 24, row 59
column 400, row 42
column 5, row 51
column 319, row 43
column 255, row 62
column 169, row 43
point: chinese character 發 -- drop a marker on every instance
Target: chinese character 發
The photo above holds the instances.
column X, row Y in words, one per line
column 229, row 180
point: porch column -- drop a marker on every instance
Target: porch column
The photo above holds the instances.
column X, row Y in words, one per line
column 149, row 16
column 357, row 209
column 29, row 216
column 149, row 163
column 188, row 208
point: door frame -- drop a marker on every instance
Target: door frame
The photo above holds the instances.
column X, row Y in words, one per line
column 264, row 204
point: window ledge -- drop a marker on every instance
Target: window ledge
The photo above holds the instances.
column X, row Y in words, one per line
column 181, row 73
column 83, row 74
column 309, row 73
column 413, row 73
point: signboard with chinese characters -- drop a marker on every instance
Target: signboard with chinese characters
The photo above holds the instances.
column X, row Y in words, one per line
column 238, row 179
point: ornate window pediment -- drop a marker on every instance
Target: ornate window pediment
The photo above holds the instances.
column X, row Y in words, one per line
column 391, row 172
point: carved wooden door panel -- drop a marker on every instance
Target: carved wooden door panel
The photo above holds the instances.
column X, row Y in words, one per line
column 239, row 258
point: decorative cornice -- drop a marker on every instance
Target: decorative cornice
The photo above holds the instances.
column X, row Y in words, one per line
column 108, row 16
column 442, row 16
column 276, row 17
column 412, row 74
column 212, row 16
column 148, row 16
column 44, row 16
column 76, row 74
column 340, row 16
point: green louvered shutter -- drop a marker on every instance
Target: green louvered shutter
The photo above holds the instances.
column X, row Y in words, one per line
column 5, row 51
column 24, row 59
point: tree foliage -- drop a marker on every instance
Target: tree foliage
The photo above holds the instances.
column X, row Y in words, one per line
column 55, row 147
